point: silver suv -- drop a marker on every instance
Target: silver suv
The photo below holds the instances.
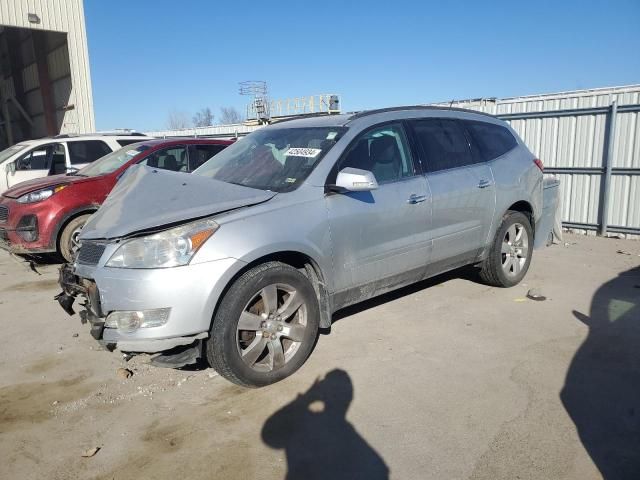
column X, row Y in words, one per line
column 244, row 260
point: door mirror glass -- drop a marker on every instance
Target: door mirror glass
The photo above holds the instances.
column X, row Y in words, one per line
column 11, row 167
column 356, row 180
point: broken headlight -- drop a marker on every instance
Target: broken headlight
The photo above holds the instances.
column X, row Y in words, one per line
column 171, row 248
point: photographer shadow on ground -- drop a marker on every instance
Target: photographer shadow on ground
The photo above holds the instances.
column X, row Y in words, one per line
column 602, row 388
column 318, row 440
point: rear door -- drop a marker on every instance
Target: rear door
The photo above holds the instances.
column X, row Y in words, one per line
column 379, row 237
column 83, row 152
column 462, row 189
column 37, row 163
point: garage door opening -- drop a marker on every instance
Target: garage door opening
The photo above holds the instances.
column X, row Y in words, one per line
column 35, row 84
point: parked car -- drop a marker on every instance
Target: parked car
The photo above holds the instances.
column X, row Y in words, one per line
column 250, row 255
column 47, row 214
column 56, row 155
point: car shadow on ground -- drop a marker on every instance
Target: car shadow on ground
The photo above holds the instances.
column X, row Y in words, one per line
column 466, row 273
column 318, row 440
column 602, row 388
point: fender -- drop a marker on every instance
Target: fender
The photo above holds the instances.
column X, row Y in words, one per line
column 92, row 208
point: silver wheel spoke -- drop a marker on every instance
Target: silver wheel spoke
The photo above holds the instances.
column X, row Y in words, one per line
column 254, row 350
column 295, row 332
column 505, row 248
column 291, row 306
column 523, row 252
column 507, row 263
column 270, row 298
column 276, row 353
column 512, row 233
column 249, row 321
column 516, row 266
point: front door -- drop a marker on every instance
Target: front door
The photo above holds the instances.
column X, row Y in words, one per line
column 37, row 162
column 379, row 237
column 462, row 189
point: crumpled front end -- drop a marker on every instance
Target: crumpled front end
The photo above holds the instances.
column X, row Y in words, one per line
column 165, row 311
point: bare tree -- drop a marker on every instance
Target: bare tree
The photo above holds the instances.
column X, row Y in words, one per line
column 229, row 115
column 203, row 118
column 177, row 120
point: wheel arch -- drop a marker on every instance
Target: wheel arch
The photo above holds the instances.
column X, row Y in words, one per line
column 299, row 260
column 66, row 219
column 525, row 208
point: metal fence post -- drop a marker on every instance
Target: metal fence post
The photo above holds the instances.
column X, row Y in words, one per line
column 610, row 142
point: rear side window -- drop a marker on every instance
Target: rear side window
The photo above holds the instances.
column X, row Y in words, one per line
column 491, row 140
column 87, row 151
column 443, row 142
column 123, row 143
column 198, row 154
column 172, row 158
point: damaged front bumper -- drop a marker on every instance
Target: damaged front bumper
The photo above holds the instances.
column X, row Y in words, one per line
column 188, row 293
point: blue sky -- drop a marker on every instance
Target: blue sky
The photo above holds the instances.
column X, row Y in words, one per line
column 149, row 57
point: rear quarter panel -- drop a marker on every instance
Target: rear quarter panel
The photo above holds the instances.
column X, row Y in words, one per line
column 517, row 179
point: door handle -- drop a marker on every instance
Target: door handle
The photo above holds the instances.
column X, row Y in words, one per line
column 484, row 183
column 413, row 199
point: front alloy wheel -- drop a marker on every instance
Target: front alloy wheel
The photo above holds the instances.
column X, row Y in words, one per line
column 271, row 327
column 265, row 326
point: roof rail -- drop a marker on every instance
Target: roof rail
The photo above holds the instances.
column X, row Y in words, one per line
column 366, row 113
column 100, row 134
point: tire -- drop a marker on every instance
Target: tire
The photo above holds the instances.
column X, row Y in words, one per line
column 66, row 245
column 501, row 268
column 279, row 340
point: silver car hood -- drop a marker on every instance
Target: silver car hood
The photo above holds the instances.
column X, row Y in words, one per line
column 146, row 198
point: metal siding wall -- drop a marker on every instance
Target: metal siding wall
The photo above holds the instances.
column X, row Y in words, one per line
column 61, row 16
column 578, row 141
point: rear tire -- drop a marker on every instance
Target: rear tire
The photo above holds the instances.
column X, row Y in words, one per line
column 68, row 244
column 265, row 327
column 510, row 253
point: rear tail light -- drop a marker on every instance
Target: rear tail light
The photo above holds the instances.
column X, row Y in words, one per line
column 539, row 164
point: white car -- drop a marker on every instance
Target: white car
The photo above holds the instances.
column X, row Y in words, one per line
column 60, row 154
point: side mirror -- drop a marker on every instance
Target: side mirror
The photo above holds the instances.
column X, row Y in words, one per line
column 11, row 167
column 356, row 180
column 72, row 170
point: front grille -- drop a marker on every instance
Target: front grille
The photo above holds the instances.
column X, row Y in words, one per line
column 4, row 214
column 90, row 253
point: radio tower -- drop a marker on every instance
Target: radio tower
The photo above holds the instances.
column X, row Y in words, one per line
column 259, row 106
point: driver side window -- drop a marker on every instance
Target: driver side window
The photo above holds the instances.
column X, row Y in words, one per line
column 40, row 158
column 382, row 151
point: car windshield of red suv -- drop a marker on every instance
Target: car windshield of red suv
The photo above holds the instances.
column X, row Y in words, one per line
column 111, row 162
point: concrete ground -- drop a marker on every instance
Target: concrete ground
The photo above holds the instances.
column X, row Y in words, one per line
column 449, row 379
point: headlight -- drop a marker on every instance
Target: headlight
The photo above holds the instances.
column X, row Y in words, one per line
column 39, row 195
column 170, row 248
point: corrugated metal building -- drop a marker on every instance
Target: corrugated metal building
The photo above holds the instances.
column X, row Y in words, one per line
column 45, row 83
column 591, row 140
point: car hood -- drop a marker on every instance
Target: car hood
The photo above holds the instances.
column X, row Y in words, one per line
column 39, row 183
column 146, row 198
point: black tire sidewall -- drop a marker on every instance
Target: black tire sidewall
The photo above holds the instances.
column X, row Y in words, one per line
column 496, row 252
column 222, row 350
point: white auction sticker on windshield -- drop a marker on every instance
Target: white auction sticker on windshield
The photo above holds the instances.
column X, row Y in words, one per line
column 303, row 152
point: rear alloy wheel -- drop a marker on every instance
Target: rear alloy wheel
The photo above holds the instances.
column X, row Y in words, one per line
column 69, row 243
column 265, row 327
column 510, row 255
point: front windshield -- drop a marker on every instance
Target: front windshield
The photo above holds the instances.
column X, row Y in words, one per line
column 112, row 161
column 276, row 159
column 7, row 152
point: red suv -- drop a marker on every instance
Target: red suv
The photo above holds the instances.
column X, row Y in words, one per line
column 46, row 214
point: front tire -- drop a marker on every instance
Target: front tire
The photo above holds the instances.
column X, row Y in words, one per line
column 510, row 253
column 68, row 244
column 265, row 326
